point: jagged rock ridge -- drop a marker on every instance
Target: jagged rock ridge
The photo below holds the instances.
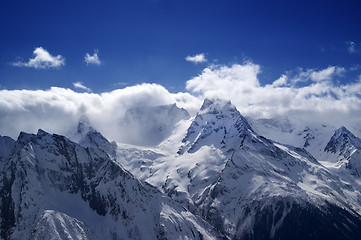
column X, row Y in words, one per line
column 250, row 187
column 243, row 184
column 347, row 149
column 53, row 187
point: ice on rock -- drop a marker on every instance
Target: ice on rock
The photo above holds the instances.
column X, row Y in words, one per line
column 345, row 148
column 52, row 187
column 251, row 187
column 87, row 136
column 58, row 226
column 214, row 175
column 217, row 123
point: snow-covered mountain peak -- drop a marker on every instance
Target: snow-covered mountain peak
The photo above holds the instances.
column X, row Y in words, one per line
column 25, row 137
column 41, row 136
column 42, row 133
column 94, row 139
column 342, row 140
column 215, row 105
column 343, row 131
column 217, row 123
column 87, row 136
column 239, row 181
column 220, row 108
column 84, row 128
column 54, row 188
column 344, row 151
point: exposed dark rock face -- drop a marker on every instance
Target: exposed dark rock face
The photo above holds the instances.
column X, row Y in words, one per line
column 91, row 196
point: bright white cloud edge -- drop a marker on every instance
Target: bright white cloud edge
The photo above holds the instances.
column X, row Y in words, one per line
column 58, row 109
column 200, row 58
column 92, row 59
column 80, row 85
column 43, row 59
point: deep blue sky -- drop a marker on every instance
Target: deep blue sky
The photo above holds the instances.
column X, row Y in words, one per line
column 147, row 41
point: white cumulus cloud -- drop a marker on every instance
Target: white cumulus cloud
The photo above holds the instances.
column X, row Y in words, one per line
column 199, row 58
column 315, row 100
column 80, row 85
column 92, row 59
column 43, row 59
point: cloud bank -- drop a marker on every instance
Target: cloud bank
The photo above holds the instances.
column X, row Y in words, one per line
column 318, row 98
column 58, row 110
column 92, row 59
column 43, row 59
column 306, row 94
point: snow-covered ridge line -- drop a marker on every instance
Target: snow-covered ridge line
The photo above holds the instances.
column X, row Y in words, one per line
column 53, row 186
column 226, row 171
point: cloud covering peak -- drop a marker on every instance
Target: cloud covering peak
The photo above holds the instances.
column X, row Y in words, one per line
column 58, row 110
column 318, row 98
column 307, row 95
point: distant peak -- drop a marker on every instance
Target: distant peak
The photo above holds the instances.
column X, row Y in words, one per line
column 217, row 123
column 215, row 105
column 84, row 119
column 84, row 127
column 41, row 133
column 341, row 139
column 25, row 137
column 206, row 103
column 343, row 129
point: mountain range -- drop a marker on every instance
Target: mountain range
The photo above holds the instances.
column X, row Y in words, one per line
column 216, row 175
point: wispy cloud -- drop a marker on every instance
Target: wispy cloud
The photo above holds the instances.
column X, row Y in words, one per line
column 355, row 67
column 43, row 59
column 120, row 84
column 326, row 74
column 92, row 59
column 200, row 58
column 80, row 85
column 351, row 46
